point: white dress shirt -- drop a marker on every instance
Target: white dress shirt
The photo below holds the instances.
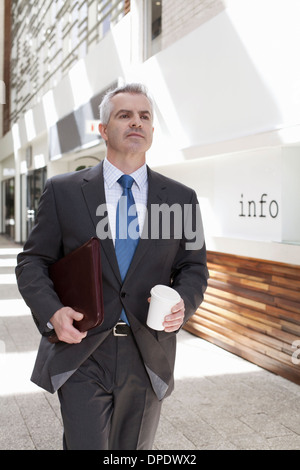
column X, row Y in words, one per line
column 113, row 192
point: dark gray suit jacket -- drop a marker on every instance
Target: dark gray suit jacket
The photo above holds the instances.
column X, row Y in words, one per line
column 67, row 218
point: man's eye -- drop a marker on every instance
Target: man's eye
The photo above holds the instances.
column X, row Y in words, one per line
column 146, row 117
column 123, row 116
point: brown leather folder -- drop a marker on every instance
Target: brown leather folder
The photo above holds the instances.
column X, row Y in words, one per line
column 77, row 281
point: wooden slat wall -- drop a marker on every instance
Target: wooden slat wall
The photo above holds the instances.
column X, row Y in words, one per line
column 252, row 308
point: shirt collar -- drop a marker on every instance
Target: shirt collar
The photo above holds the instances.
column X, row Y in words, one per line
column 111, row 174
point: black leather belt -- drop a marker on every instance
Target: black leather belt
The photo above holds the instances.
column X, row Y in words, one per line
column 121, row 329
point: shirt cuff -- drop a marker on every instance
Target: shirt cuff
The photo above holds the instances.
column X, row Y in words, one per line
column 50, row 326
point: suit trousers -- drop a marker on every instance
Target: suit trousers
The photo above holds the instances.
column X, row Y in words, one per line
column 108, row 403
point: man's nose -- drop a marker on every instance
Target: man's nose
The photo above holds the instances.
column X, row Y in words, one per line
column 136, row 121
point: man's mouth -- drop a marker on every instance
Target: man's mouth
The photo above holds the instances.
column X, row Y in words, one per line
column 135, row 134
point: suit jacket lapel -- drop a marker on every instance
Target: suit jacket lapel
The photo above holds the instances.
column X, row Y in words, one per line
column 94, row 195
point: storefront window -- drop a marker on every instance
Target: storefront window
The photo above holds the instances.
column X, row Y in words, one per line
column 9, row 207
column 35, row 185
column 153, row 15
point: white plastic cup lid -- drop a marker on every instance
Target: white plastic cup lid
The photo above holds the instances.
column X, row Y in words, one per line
column 165, row 293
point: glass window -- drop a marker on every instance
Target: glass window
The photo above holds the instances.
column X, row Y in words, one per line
column 9, row 198
column 156, row 19
column 153, row 27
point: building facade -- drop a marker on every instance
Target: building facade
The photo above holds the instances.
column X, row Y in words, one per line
column 225, row 80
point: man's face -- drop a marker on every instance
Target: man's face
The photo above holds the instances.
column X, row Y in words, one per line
column 129, row 129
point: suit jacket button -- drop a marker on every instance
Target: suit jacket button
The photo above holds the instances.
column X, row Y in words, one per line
column 123, row 294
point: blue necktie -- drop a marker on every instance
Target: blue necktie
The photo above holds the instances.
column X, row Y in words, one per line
column 127, row 230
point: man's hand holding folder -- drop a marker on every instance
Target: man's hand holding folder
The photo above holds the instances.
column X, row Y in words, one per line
column 62, row 322
column 77, row 280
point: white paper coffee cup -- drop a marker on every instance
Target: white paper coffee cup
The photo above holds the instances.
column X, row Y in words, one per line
column 163, row 298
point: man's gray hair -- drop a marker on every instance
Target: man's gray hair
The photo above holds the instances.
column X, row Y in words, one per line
column 105, row 107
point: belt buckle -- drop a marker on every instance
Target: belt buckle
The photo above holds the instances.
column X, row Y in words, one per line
column 115, row 329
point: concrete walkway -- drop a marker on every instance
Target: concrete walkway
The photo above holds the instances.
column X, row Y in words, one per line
column 220, row 400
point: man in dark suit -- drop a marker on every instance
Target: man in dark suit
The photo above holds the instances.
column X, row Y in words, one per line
column 111, row 380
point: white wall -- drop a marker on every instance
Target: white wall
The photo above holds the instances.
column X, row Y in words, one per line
column 290, row 168
column 267, row 177
column 235, row 76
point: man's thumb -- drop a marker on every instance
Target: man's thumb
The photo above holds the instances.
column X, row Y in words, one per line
column 77, row 316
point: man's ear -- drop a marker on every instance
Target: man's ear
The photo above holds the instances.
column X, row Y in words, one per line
column 102, row 130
